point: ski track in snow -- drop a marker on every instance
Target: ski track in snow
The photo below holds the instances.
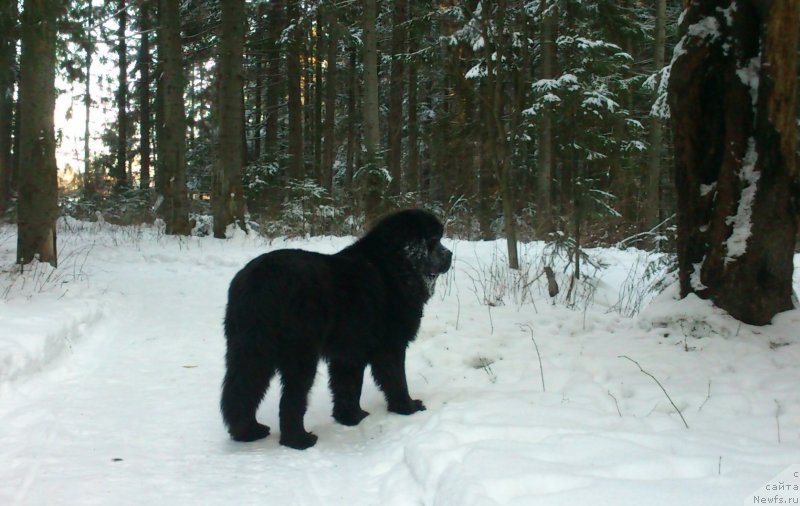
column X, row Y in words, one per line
column 125, row 410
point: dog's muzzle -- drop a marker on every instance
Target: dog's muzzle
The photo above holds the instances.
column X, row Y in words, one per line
column 441, row 260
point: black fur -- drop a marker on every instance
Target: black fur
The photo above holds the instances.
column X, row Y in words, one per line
column 363, row 305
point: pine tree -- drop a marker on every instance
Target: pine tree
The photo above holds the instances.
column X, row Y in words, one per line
column 331, row 87
column 294, row 46
column 120, row 173
column 145, row 120
column 371, row 177
column 227, row 197
column 396, row 87
column 544, row 174
column 38, row 190
column 653, row 201
column 732, row 95
column 276, row 86
column 171, row 129
column 8, row 43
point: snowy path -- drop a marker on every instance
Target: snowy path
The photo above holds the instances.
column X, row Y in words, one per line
column 128, row 415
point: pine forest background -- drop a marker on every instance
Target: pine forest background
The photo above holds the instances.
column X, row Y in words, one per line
column 546, row 106
column 533, row 119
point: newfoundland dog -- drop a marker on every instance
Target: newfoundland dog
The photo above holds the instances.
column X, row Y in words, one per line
column 361, row 306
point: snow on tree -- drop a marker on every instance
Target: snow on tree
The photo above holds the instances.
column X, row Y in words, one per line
column 732, row 96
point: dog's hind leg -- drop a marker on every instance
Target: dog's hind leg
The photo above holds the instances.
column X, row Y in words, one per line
column 247, row 377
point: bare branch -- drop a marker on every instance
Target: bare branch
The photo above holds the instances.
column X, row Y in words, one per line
column 660, row 385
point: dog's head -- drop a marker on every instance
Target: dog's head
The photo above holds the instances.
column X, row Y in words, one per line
column 420, row 234
column 415, row 237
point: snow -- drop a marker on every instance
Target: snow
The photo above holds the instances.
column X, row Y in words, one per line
column 566, row 81
column 695, row 278
column 736, row 244
column 707, row 189
column 110, row 368
column 599, row 99
column 706, row 28
column 634, row 146
column 476, row 72
column 749, row 75
column 660, row 108
column 727, row 13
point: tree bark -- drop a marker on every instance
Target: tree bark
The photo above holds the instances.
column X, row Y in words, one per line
column 652, row 204
column 88, row 177
column 172, row 139
column 372, row 180
column 544, row 174
column 495, row 50
column 353, row 145
column 38, row 185
column 145, row 123
column 276, row 22
column 412, row 168
column 296, row 167
column 120, row 170
column 8, row 51
column 732, row 94
column 394, row 124
column 259, row 58
column 329, row 149
column 487, row 175
column 258, row 98
column 318, row 93
column 227, row 200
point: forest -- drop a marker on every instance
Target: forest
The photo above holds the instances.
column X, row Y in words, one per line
column 557, row 120
column 612, row 318
column 343, row 108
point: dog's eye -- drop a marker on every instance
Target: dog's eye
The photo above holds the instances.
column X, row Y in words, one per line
column 432, row 242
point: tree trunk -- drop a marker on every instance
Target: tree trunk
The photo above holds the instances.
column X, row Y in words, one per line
column 15, row 145
column 353, row 146
column 295, row 84
column 194, row 110
column 317, row 134
column 172, row 140
column 8, row 46
column 396, row 75
column 227, row 200
column 329, row 150
column 145, row 123
column 652, row 204
column 519, row 146
column 121, row 172
column 372, row 180
column 307, row 101
column 88, row 178
column 487, row 175
column 258, row 95
column 412, row 169
column 158, row 105
column 38, row 184
column 259, row 57
column 732, row 94
column 495, row 50
column 544, row 174
column 276, row 22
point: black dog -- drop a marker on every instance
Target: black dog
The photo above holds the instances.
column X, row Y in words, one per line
column 361, row 306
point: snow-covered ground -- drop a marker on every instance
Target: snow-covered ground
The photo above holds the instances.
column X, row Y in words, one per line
column 110, row 368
